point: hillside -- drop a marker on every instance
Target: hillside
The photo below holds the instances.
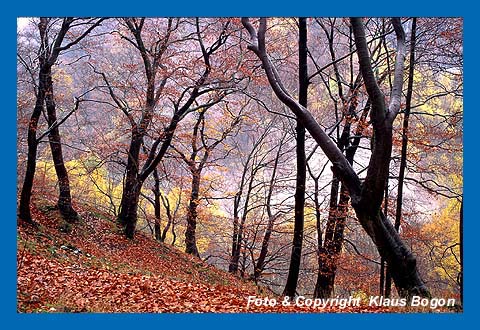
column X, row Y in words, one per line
column 89, row 267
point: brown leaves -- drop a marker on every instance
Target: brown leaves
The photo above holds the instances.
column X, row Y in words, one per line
column 100, row 271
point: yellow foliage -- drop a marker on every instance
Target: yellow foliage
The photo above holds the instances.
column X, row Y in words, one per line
column 89, row 182
column 444, row 232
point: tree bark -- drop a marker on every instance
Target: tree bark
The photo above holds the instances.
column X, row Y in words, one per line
column 127, row 217
column 295, row 259
column 190, row 237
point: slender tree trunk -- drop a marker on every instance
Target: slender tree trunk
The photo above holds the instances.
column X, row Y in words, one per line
column 294, row 269
column 233, row 266
column 65, row 199
column 157, row 206
column 403, row 156
column 238, row 247
column 382, row 277
column 26, row 194
column 170, row 219
column 240, row 224
column 264, row 250
column 190, row 233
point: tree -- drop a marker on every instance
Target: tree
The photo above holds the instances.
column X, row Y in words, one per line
column 292, row 279
column 197, row 161
column 250, row 169
column 261, row 260
column 48, row 55
column 366, row 197
column 186, row 102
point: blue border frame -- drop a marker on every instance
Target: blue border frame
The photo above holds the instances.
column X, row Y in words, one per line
column 460, row 8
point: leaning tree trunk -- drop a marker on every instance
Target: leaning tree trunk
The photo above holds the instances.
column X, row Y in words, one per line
column 64, row 199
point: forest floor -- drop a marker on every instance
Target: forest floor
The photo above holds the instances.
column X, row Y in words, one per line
column 93, row 268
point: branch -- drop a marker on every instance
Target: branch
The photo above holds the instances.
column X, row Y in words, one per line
column 65, row 27
column 58, row 123
column 120, row 104
column 396, row 94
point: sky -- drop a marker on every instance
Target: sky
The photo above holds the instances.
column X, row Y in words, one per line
column 22, row 22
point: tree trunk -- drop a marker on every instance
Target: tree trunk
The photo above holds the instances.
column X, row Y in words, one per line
column 332, row 245
column 264, row 250
column 403, row 156
column 127, row 218
column 233, row 266
column 156, row 193
column 190, row 235
column 26, row 194
column 239, row 225
column 170, row 219
column 382, row 277
column 64, row 199
column 294, row 269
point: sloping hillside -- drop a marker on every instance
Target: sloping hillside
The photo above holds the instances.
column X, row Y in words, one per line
column 90, row 267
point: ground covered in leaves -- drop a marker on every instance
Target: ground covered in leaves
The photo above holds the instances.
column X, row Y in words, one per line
column 90, row 267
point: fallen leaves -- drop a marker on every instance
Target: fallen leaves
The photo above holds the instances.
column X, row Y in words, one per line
column 94, row 269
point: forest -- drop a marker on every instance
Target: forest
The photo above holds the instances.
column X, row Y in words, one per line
column 193, row 164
